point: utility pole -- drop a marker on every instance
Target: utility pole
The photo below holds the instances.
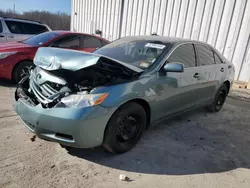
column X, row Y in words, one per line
column 14, row 8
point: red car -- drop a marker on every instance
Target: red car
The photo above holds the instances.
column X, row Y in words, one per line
column 16, row 59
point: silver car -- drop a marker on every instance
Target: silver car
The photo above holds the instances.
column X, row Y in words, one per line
column 111, row 96
column 13, row 30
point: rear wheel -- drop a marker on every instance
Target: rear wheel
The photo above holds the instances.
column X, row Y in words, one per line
column 219, row 99
column 22, row 69
column 125, row 128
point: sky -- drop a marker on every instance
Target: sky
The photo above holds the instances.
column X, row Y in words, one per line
column 27, row 5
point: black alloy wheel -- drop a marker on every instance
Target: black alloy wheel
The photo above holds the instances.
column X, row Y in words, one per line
column 125, row 128
column 219, row 99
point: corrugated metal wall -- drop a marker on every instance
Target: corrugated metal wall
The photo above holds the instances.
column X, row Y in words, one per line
column 225, row 24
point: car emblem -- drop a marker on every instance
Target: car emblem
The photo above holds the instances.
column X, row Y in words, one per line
column 38, row 77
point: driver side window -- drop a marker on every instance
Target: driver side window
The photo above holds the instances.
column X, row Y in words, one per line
column 184, row 54
column 1, row 27
column 71, row 41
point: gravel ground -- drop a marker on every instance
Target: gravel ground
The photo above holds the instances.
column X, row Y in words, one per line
column 198, row 149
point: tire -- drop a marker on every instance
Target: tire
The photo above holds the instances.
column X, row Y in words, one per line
column 125, row 128
column 219, row 99
column 21, row 70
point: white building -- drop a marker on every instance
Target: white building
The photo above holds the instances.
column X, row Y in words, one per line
column 225, row 24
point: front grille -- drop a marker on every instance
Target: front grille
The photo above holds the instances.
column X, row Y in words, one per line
column 45, row 92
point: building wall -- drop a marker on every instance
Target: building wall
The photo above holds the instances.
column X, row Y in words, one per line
column 225, row 24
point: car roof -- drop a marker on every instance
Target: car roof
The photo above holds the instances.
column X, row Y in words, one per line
column 21, row 20
column 64, row 32
column 163, row 39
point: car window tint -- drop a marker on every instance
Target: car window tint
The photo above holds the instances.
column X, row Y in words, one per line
column 72, row 41
column 34, row 29
column 217, row 58
column 91, row 42
column 1, row 27
column 14, row 27
column 104, row 42
column 184, row 54
column 205, row 55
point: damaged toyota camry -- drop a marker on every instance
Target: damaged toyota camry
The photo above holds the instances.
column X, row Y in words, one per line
column 111, row 96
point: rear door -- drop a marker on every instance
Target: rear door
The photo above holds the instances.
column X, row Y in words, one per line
column 222, row 67
column 90, row 43
column 2, row 34
column 210, row 71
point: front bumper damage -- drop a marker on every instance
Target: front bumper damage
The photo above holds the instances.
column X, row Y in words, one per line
column 75, row 127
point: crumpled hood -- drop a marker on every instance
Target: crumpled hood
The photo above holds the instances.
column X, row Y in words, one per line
column 55, row 58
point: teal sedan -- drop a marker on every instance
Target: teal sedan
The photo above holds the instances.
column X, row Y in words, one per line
column 111, row 96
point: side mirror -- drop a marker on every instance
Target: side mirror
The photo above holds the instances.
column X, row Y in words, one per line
column 173, row 67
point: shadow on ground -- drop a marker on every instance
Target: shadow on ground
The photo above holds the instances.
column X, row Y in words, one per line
column 197, row 142
column 7, row 83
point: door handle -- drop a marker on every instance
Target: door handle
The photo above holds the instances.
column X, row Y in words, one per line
column 196, row 75
column 222, row 69
column 1, row 36
column 11, row 36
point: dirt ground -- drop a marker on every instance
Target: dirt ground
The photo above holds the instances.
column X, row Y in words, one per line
column 198, row 149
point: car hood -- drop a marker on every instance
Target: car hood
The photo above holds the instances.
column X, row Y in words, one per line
column 11, row 46
column 55, row 58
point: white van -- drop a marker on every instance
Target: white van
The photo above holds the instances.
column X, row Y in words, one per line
column 13, row 29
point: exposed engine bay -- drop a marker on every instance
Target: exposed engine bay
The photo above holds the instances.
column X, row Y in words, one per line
column 46, row 87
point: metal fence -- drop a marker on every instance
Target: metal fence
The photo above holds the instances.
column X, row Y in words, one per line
column 225, row 24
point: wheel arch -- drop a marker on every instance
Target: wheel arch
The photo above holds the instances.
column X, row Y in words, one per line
column 141, row 102
column 227, row 83
column 16, row 65
column 145, row 106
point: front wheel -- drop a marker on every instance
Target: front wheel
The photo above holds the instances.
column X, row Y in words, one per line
column 125, row 128
column 22, row 69
column 219, row 99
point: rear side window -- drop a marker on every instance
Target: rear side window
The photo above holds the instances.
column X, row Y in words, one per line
column 25, row 28
column 205, row 54
column 33, row 29
column 91, row 42
column 184, row 54
column 14, row 27
column 1, row 27
column 104, row 42
column 217, row 59
column 71, row 41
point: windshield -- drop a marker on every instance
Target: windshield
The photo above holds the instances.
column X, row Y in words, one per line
column 40, row 39
column 141, row 54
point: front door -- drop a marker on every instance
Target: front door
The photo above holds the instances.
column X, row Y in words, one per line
column 2, row 34
column 177, row 92
column 71, row 41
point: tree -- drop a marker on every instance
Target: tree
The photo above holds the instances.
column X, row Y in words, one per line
column 56, row 21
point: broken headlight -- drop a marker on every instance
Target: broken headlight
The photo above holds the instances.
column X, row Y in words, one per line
column 80, row 101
